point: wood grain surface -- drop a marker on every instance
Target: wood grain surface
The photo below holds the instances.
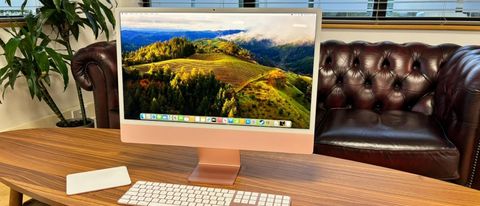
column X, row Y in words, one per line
column 35, row 162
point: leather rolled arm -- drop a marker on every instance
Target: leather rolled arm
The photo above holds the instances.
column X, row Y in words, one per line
column 457, row 107
column 94, row 68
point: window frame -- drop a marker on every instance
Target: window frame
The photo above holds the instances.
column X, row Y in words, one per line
column 14, row 20
column 379, row 16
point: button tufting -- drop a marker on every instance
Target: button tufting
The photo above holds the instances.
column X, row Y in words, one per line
column 385, row 64
column 416, row 65
column 397, row 85
column 356, row 62
column 328, row 61
column 340, row 80
column 378, row 106
column 368, row 83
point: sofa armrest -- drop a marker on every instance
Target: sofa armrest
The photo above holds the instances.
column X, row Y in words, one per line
column 94, row 68
column 457, row 107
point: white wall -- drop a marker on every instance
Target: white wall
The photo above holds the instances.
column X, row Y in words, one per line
column 128, row 3
column 19, row 111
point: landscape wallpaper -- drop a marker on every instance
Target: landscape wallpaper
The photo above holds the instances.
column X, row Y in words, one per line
column 255, row 66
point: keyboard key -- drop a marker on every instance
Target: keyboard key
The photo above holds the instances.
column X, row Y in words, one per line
column 132, row 202
column 142, row 203
column 123, row 201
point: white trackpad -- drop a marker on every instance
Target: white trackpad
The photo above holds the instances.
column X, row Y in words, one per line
column 97, row 180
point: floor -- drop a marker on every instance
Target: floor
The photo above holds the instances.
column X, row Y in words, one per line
column 4, row 195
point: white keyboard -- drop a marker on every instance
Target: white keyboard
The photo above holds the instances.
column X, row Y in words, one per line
column 166, row 194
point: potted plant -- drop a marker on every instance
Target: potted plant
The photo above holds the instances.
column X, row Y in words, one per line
column 66, row 18
column 35, row 61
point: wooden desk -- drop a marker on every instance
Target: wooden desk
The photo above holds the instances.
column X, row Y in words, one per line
column 35, row 162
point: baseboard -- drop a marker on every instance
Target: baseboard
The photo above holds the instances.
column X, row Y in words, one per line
column 51, row 120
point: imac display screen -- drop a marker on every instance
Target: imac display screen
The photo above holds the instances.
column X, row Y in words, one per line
column 248, row 69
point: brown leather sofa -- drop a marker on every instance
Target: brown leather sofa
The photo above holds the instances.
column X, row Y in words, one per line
column 412, row 107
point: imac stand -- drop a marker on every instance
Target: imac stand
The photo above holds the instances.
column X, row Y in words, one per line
column 216, row 166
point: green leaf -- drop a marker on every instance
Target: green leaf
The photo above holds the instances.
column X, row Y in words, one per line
column 75, row 31
column 11, row 48
column 58, row 4
column 108, row 12
column 45, row 40
column 60, row 65
column 12, row 76
column 87, row 3
column 69, row 10
column 31, row 85
column 98, row 16
column 2, row 72
column 41, row 58
column 92, row 23
column 60, row 41
column 45, row 15
column 23, row 5
column 9, row 2
column 2, row 43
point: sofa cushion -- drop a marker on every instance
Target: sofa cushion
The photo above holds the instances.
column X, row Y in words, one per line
column 402, row 140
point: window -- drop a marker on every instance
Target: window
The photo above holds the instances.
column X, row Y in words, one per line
column 436, row 11
column 433, row 8
column 14, row 12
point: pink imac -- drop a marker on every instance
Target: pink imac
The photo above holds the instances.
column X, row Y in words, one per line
column 221, row 80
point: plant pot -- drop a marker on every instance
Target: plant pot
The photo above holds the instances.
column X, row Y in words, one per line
column 77, row 123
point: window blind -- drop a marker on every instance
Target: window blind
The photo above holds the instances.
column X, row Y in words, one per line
column 15, row 11
column 355, row 11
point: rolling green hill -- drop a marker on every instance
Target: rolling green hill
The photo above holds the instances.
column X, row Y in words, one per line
column 226, row 68
column 258, row 91
column 259, row 99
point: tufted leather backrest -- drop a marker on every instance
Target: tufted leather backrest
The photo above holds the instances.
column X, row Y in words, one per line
column 380, row 76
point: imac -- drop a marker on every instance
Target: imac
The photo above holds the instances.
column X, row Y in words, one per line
column 221, row 80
